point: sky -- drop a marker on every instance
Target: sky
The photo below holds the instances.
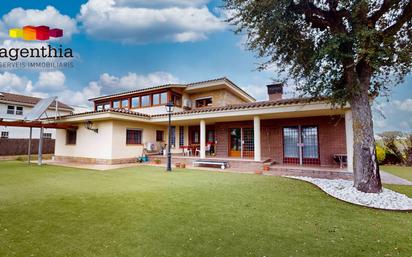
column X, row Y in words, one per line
column 128, row 44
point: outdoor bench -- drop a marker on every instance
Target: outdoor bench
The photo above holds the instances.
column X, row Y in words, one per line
column 221, row 164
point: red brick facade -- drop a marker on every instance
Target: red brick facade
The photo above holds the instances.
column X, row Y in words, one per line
column 331, row 136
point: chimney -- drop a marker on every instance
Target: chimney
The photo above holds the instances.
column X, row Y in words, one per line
column 275, row 91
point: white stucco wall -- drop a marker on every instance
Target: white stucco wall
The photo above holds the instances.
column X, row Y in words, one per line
column 108, row 143
column 121, row 149
column 88, row 143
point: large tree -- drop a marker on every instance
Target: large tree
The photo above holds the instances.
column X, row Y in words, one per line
column 346, row 50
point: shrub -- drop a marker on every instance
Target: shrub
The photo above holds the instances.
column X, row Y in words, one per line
column 380, row 154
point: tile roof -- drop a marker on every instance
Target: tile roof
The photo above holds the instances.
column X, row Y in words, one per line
column 111, row 110
column 171, row 85
column 253, row 105
column 10, row 97
column 243, row 106
column 138, row 90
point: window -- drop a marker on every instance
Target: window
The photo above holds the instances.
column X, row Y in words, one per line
column 135, row 102
column 106, row 106
column 177, row 100
column 71, row 136
column 4, row 134
column 210, row 136
column 47, row 135
column 145, row 100
column 205, row 102
column 196, row 137
column 125, row 103
column 159, row 135
column 133, row 136
column 156, row 99
column 99, row 107
column 116, row 104
column 173, row 138
column 181, row 135
column 163, row 98
column 10, row 109
column 19, row 110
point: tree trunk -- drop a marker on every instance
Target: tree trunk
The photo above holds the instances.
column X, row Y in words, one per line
column 366, row 170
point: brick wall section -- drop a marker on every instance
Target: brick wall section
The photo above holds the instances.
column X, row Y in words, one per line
column 332, row 137
column 19, row 146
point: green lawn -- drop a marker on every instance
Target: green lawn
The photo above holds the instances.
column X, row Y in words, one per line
column 51, row 211
column 403, row 172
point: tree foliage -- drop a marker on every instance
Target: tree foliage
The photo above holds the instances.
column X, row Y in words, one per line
column 326, row 45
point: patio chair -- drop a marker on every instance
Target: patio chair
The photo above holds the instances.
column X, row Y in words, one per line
column 187, row 151
column 209, row 149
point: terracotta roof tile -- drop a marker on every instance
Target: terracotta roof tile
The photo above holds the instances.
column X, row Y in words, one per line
column 243, row 106
column 113, row 110
column 10, row 97
column 168, row 86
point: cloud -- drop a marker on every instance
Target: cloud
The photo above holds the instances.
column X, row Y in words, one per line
column 50, row 16
column 10, row 82
column 160, row 3
column 131, row 23
column 404, row 105
column 51, row 80
column 52, row 83
column 132, row 81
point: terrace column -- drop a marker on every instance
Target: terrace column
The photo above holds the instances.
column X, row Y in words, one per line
column 349, row 139
column 202, row 139
column 256, row 135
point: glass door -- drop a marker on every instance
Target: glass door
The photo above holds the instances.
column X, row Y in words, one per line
column 310, row 145
column 291, row 151
column 235, row 142
column 248, row 146
column 301, row 145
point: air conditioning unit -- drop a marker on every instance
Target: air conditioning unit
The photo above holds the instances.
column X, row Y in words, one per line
column 187, row 104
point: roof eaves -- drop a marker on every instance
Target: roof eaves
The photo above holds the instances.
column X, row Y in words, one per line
column 136, row 91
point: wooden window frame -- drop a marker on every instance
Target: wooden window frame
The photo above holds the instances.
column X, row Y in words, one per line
column 128, row 103
column 131, row 102
column 203, row 100
column 160, row 136
column 71, row 141
column 131, row 142
column 181, row 135
column 150, row 101
column 158, row 99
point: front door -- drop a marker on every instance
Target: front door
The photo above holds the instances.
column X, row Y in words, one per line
column 235, row 142
column 301, row 145
column 241, row 142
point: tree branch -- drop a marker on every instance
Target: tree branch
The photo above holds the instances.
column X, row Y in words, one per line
column 319, row 18
column 402, row 19
column 386, row 5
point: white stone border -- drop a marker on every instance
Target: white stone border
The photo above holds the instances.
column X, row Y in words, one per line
column 344, row 190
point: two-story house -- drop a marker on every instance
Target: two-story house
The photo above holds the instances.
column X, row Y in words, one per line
column 14, row 107
column 213, row 118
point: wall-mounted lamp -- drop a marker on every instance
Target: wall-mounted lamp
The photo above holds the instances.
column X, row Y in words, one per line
column 90, row 126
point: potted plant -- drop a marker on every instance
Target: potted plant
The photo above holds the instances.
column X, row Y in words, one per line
column 258, row 172
column 157, row 161
column 177, row 164
column 183, row 165
column 266, row 167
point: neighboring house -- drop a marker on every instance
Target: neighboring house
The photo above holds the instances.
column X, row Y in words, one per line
column 14, row 107
column 214, row 114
